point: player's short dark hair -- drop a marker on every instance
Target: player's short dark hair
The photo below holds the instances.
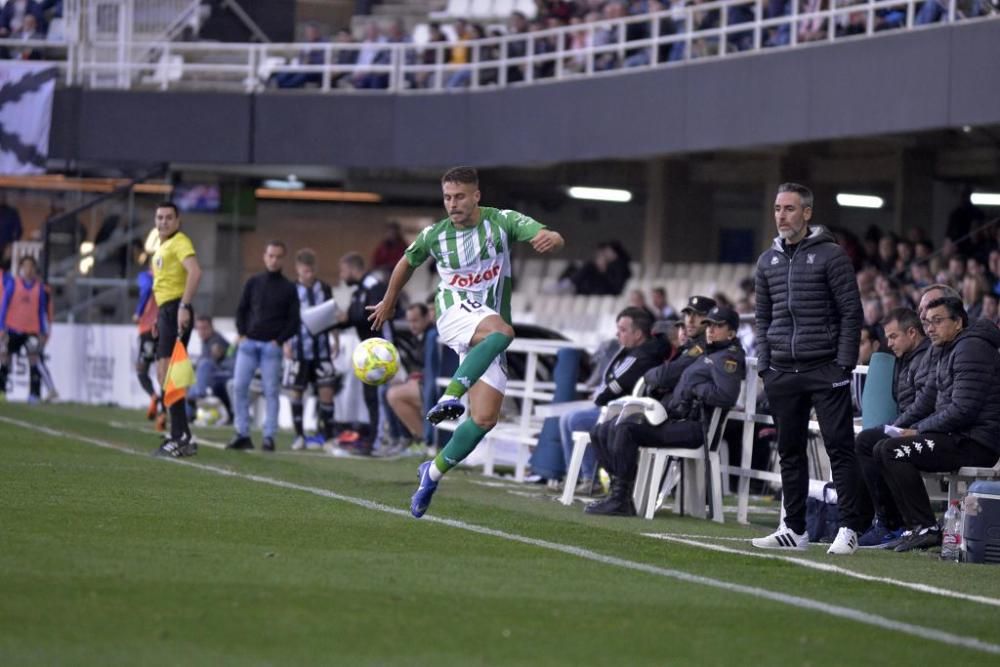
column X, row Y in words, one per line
column 28, row 258
column 166, row 203
column 306, row 256
column 354, row 259
column 804, row 193
column 905, row 319
column 641, row 319
column 275, row 243
column 872, row 333
column 202, row 317
column 463, row 175
column 954, row 306
column 419, row 307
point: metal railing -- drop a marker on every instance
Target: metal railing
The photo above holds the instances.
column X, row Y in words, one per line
column 700, row 32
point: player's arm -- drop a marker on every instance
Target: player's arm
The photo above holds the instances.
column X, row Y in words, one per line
column 547, row 240
column 190, row 264
column 8, row 294
column 385, row 309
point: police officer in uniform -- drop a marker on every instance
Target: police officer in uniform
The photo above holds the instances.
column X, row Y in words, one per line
column 661, row 380
column 712, row 379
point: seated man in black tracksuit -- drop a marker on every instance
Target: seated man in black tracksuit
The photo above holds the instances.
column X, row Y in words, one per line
column 906, row 339
column 661, row 380
column 953, row 422
column 713, row 379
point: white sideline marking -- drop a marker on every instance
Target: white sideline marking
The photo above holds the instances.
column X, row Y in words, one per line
column 823, row 567
column 921, row 632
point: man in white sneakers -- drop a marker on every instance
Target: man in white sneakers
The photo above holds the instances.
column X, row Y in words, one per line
column 808, row 328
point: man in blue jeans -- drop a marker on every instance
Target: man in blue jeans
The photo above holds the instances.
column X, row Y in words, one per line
column 268, row 315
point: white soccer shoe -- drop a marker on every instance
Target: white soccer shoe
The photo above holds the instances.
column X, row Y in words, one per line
column 845, row 543
column 784, row 538
column 298, row 444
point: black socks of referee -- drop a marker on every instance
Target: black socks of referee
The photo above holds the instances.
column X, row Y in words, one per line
column 178, row 421
column 297, row 410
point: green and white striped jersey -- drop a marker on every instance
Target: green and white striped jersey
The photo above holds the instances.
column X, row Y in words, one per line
column 474, row 264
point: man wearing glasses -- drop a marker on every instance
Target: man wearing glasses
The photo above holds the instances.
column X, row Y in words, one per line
column 954, row 421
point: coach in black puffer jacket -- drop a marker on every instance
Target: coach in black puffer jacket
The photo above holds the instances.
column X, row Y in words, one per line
column 808, row 306
column 962, row 396
column 910, row 374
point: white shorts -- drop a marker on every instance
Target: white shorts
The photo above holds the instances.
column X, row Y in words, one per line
column 456, row 327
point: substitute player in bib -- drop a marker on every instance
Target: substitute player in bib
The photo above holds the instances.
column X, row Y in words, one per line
column 472, row 250
column 176, row 275
column 24, row 323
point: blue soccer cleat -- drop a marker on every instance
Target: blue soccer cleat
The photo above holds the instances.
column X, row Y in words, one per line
column 422, row 498
column 451, row 408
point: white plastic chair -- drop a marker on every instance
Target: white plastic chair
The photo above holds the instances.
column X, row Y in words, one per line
column 648, row 492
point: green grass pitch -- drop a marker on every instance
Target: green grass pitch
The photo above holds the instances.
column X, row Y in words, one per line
column 108, row 558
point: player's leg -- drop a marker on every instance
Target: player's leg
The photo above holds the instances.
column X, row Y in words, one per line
column 4, row 365
column 31, row 348
column 485, row 400
column 484, row 336
column 325, row 382
column 292, row 380
column 270, row 376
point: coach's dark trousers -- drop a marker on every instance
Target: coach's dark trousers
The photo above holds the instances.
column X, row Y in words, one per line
column 791, row 395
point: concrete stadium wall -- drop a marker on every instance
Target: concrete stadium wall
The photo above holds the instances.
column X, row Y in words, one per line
column 939, row 77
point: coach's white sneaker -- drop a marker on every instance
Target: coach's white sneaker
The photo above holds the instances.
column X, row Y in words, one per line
column 845, row 543
column 783, row 538
column 298, row 444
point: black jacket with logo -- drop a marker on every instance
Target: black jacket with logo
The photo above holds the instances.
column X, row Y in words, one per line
column 628, row 366
column 808, row 306
column 962, row 396
column 661, row 380
column 910, row 374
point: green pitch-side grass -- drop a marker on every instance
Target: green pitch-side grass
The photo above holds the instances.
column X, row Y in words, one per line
column 107, row 559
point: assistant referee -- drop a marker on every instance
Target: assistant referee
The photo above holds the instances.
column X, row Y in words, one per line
column 176, row 275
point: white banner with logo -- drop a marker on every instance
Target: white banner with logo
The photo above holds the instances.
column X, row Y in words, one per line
column 26, row 92
column 95, row 364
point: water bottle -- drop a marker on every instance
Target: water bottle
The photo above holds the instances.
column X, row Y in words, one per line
column 951, row 542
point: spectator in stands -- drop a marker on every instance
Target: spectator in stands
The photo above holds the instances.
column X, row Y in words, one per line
column 662, row 310
column 517, row 24
column 213, row 368
column 371, row 53
column 343, row 56
column 406, row 398
column 312, row 35
column 953, row 422
column 267, row 316
column 712, row 380
column 577, row 43
column 13, row 14
column 636, row 299
column 390, row 249
column 10, row 230
column 462, row 78
column 808, row 330
column 990, row 308
column 431, row 56
column 973, row 288
column 905, row 336
column 607, row 35
column 640, row 351
column 606, row 273
column 29, row 31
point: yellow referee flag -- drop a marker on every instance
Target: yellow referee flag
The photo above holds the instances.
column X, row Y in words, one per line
column 180, row 375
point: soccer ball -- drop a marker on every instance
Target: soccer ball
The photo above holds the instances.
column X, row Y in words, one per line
column 375, row 360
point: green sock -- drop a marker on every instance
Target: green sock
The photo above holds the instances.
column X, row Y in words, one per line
column 463, row 441
column 476, row 362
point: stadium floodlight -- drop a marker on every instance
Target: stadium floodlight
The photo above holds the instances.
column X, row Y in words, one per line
column 986, row 198
column 859, row 201
column 600, row 194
